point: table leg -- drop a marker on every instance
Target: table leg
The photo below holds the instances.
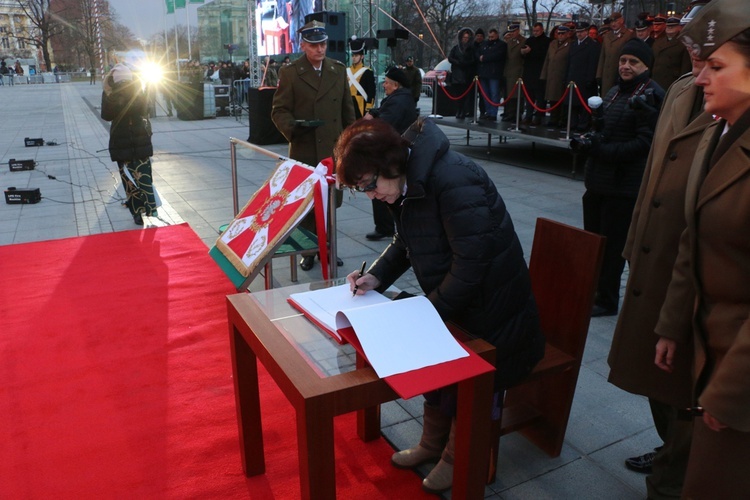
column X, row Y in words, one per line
column 472, row 435
column 317, row 469
column 368, row 419
column 247, row 402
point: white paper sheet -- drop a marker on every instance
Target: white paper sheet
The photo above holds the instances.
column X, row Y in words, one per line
column 401, row 335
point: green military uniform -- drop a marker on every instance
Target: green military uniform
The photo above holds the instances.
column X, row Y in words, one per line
column 303, row 95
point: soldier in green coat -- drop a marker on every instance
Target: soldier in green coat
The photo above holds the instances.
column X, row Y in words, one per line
column 312, row 105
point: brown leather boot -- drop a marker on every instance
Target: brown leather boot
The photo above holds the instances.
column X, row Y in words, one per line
column 440, row 478
column 434, row 436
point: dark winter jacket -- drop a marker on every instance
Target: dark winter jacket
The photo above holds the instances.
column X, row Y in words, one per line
column 453, row 229
column 463, row 61
column 615, row 166
column 494, row 53
column 534, row 60
column 397, row 109
column 130, row 132
column 582, row 61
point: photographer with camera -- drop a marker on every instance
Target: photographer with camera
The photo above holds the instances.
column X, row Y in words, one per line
column 617, row 149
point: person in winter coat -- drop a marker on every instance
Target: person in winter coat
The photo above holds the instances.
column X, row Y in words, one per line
column 125, row 104
column 534, row 53
column 617, row 158
column 513, row 71
column 463, row 70
column 583, row 57
column 397, row 108
column 453, row 230
column 651, row 251
column 714, row 260
column 553, row 73
column 492, row 55
column 311, row 107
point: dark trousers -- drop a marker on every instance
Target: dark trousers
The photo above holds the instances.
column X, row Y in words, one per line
column 670, row 462
column 609, row 216
column 465, row 105
column 382, row 217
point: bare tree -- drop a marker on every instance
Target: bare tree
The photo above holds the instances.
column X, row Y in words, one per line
column 44, row 27
column 447, row 17
column 547, row 6
column 78, row 40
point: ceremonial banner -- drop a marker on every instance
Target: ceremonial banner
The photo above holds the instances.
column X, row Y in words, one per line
column 270, row 216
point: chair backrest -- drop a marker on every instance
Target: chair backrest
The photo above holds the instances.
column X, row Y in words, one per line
column 564, row 267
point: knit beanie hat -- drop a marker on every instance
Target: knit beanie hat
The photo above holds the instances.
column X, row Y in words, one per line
column 640, row 49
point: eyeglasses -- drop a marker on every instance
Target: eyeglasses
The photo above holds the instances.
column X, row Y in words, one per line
column 371, row 186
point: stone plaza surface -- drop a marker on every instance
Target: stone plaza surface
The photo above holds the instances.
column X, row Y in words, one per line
column 81, row 195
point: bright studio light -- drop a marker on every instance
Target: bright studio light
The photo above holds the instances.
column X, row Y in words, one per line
column 151, row 72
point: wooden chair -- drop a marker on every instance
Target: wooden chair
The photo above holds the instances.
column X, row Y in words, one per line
column 564, row 267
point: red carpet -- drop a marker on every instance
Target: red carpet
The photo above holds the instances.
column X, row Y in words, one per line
column 115, row 380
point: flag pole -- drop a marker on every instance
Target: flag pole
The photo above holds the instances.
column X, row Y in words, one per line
column 187, row 17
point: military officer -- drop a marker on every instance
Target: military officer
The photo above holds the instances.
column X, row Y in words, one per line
column 612, row 42
column 312, row 105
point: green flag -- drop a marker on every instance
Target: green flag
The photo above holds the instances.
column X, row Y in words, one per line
column 179, row 4
column 196, row 1
column 170, row 6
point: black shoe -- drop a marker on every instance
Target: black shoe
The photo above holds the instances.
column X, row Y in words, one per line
column 377, row 235
column 138, row 219
column 307, row 262
column 598, row 311
column 642, row 464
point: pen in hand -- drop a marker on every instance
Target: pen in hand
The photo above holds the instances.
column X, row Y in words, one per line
column 361, row 273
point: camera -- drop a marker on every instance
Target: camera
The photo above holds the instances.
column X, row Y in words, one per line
column 581, row 143
column 643, row 100
column 585, row 142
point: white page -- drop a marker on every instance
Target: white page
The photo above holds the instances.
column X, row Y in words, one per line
column 402, row 335
column 324, row 303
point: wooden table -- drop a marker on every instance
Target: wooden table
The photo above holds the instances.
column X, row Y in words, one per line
column 322, row 380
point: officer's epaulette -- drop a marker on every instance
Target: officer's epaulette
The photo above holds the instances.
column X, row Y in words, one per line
column 339, row 63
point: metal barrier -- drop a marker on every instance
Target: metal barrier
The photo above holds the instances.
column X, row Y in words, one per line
column 239, row 102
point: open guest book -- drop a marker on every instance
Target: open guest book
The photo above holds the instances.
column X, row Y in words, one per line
column 405, row 341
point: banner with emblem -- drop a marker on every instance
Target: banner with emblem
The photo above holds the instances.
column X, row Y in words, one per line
column 270, row 216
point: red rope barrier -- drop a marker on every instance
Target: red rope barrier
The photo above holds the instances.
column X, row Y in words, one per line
column 502, row 103
column 545, row 110
column 459, row 97
column 583, row 102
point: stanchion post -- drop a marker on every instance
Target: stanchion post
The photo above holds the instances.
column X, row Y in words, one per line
column 475, row 121
column 519, row 89
column 435, row 86
column 572, row 87
column 233, row 160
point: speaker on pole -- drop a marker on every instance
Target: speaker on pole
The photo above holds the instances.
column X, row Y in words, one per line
column 336, row 28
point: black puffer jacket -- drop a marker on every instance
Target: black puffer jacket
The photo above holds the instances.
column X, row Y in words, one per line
column 130, row 133
column 463, row 60
column 397, row 109
column 615, row 166
column 454, row 230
